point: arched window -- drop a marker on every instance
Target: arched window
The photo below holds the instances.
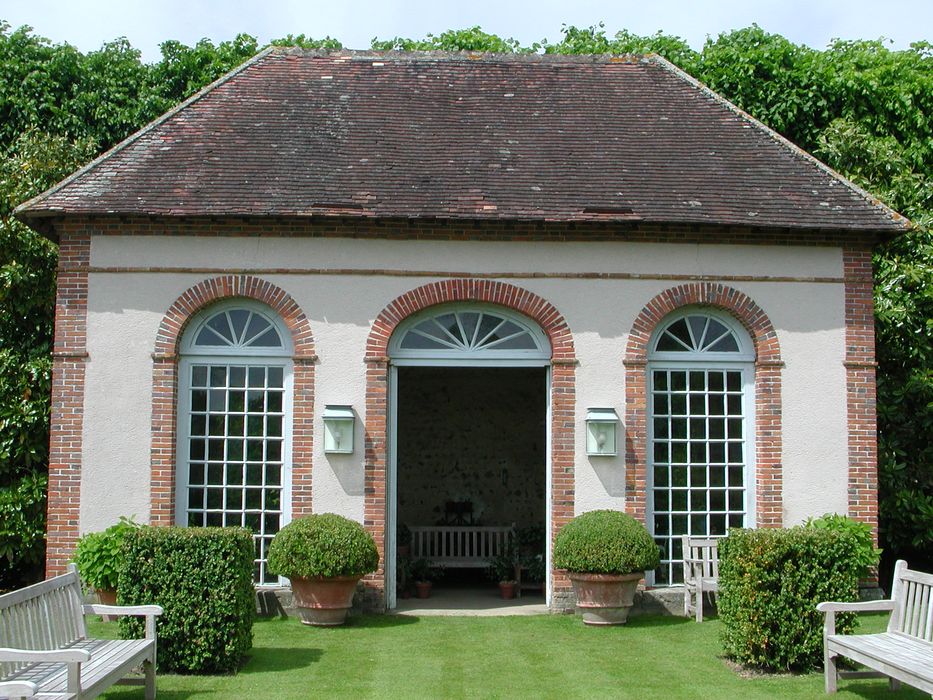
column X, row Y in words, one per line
column 701, row 377
column 234, row 418
column 467, row 333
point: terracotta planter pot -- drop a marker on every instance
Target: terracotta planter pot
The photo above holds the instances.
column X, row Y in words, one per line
column 107, row 596
column 404, row 551
column 605, row 599
column 507, row 589
column 423, row 589
column 323, row 602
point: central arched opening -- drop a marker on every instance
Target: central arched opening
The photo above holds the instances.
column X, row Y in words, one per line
column 469, row 454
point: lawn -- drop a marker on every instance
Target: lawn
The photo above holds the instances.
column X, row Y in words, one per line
column 547, row 656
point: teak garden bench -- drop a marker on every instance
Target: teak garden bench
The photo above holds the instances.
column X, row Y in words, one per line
column 904, row 653
column 45, row 651
column 458, row 546
column 701, row 572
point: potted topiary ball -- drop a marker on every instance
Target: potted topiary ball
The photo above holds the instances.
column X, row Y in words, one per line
column 606, row 553
column 324, row 556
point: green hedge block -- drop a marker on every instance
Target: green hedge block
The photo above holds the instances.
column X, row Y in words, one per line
column 202, row 577
column 770, row 581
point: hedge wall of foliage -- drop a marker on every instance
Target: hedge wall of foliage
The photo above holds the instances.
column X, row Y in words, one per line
column 203, row 578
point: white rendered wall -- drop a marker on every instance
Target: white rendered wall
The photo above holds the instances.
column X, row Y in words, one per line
column 125, row 309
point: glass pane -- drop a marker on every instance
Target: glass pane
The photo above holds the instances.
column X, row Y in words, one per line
column 238, row 376
column 198, row 375
column 257, row 376
column 698, row 500
column 448, row 322
column 698, row 326
column 235, row 500
column 199, row 400
column 660, row 428
column 196, row 474
column 678, row 330
column 679, row 499
column 234, row 474
column 518, row 342
column 416, row 341
column 468, row 320
column 269, row 339
column 275, row 375
column 678, row 381
column 725, row 344
column 660, row 381
column 221, row 327
column 198, row 424
column 208, row 338
column 238, row 319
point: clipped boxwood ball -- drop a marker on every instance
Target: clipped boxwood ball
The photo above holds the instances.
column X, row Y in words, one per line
column 325, row 545
column 605, row 542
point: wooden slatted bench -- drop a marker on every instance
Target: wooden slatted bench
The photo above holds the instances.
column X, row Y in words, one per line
column 701, row 572
column 45, row 651
column 459, row 546
column 904, row 653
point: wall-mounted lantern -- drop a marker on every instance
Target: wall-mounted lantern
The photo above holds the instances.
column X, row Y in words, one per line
column 601, row 432
column 338, row 429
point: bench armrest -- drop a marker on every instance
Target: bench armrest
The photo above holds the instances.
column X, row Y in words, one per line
column 861, row 606
column 18, row 689
column 122, row 610
column 62, row 655
column 150, row 612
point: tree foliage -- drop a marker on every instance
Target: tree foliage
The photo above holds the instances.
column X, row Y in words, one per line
column 863, row 108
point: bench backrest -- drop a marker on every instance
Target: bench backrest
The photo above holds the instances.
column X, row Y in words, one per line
column 912, row 593
column 472, row 543
column 701, row 557
column 46, row 615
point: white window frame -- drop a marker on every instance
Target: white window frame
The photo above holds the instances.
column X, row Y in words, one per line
column 743, row 361
column 481, row 357
column 245, row 356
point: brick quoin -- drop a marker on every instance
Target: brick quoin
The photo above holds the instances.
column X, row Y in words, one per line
column 860, row 386
column 768, row 364
column 66, row 422
column 563, row 364
column 165, row 385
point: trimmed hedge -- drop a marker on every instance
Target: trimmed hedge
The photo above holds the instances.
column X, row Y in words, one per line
column 323, row 544
column 770, row 581
column 605, row 542
column 203, row 578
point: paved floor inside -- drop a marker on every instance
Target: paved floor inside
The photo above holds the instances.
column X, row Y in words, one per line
column 471, row 601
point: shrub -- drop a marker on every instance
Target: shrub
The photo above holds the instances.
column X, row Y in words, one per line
column 325, row 545
column 605, row 542
column 202, row 577
column 770, row 582
column 99, row 555
column 867, row 554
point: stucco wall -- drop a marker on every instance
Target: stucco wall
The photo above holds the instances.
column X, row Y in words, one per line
column 125, row 308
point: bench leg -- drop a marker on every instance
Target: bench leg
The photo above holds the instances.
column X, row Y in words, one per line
column 687, row 601
column 895, row 684
column 149, row 670
column 829, row 671
column 699, row 600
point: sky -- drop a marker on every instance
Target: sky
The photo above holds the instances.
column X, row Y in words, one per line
column 87, row 24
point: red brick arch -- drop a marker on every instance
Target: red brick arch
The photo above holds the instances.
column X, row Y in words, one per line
column 768, row 364
column 563, row 359
column 165, row 385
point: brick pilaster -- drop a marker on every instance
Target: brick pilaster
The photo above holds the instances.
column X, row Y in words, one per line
column 67, row 400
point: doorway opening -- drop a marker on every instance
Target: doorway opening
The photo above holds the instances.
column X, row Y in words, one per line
column 471, row 459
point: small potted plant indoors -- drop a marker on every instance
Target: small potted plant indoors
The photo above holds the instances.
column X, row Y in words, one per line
column 99, row 558
column 502, row 569
column 606, row 553
column 324, row 556
column 423, row 574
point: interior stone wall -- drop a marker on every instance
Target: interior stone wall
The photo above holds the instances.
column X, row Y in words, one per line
column 472, row 434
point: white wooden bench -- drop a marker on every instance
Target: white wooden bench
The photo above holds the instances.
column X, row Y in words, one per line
column 45, row 651
column 701, row 572
column 904, row 653
column 459, row 546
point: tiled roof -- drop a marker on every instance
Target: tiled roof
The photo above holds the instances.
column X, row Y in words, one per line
column 553, row 138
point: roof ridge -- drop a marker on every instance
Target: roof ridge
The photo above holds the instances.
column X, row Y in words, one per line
column 136, row 135
column 781, row 140
column 465, row 54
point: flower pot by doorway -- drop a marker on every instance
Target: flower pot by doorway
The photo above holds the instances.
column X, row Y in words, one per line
column 507, row 589
column 323, row 602
column 423, row 589
column 324, row 555
column 606, row 553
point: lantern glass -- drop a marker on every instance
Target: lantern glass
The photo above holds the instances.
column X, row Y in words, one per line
column 601, row 432
column 339, row 424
